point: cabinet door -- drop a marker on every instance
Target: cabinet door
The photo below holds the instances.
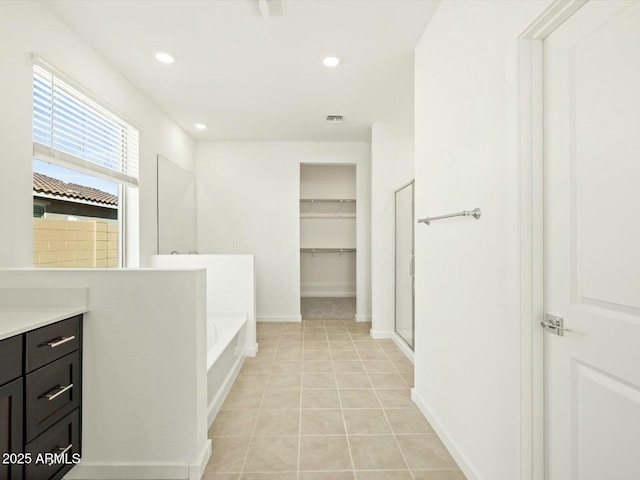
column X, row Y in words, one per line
column 10, row 359
column 11, row 434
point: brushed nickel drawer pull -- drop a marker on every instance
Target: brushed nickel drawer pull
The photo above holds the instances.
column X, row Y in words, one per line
column 60, row 341
column 59, row 452
column 56, row 392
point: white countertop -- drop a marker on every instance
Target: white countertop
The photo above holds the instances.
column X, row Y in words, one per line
column 14, row 321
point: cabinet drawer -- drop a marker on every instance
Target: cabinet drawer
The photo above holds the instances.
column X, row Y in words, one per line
column 51, row 393
column 49, row 343
column 53, row 452
column 10, row 359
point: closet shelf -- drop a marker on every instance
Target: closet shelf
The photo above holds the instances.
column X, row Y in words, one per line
column 328, row 208
column 328, row 215
column 328, row 250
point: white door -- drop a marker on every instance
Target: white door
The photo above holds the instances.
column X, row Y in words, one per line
column 592, row 243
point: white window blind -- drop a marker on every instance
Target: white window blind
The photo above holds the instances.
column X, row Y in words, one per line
column 72, row 130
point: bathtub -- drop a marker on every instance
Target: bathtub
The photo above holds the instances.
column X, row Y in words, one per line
column 226, row 350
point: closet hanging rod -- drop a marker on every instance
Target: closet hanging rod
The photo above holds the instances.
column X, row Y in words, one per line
column 475, row 213
column 327, row 250
column 333, row 200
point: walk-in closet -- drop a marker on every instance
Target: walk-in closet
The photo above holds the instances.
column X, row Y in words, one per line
column 327, row 241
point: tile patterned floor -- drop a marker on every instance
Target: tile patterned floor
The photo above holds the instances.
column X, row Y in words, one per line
column 322, row 400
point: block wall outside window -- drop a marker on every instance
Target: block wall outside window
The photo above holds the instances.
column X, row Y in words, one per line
column 75, row 244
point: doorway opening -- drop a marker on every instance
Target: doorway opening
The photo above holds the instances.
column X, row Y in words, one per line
column 327, row 241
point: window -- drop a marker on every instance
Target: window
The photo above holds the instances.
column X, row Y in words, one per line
column 84, row 156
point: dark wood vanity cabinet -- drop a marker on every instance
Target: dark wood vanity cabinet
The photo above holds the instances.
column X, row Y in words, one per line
column 11, row 429
column 41, row 402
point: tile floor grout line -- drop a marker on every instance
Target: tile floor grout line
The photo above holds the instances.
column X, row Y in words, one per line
column 365, row 370
column 395, row 438
column 255, row 423
column 300, row 404
column 385, row 413
column 344, row 421
column 396, row 368
column 304, row 341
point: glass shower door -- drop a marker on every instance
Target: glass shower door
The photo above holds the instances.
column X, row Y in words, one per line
column 405, row 266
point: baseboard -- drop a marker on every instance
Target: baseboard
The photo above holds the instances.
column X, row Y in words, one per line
column 218, row 400
column 404, row 348
column 276, row 318
column 197, row 471
column 251, row 352
column 133, row 472
column 462, row 461
column 380, row 334
column 400, row 343
column 166, row 471
column 362, row 318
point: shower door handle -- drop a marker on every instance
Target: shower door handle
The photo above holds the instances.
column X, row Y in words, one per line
column 412, row 266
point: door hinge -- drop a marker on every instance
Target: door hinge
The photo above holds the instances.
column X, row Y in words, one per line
column 554, row 324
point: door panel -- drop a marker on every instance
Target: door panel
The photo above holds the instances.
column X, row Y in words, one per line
column 592, row 243
column 596, row 456
column 606, row 167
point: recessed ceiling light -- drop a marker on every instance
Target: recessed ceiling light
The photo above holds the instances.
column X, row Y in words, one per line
column 331, row 62
column 200, row 126
column 164, row 57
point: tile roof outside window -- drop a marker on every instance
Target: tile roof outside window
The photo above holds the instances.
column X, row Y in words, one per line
column 53, row 186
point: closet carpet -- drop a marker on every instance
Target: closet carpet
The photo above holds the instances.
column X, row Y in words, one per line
column 328, row 307
column 322, row 400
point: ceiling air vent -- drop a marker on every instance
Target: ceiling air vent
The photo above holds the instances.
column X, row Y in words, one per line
column 335, row 118
column 265, row 8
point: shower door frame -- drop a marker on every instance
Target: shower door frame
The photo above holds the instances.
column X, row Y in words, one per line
column 412, row 267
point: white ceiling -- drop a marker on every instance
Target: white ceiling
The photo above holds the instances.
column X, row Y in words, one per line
column 251, row 78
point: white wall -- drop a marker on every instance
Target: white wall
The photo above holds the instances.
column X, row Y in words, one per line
column 392, row 165
column 176, row 208
column 328, row 233
column 329, row 274
column 30, row 27
column 363, row 235
column 231, row 285
column 327, row 181
column 144, row 369
column 467, row 271
column 249, row 193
